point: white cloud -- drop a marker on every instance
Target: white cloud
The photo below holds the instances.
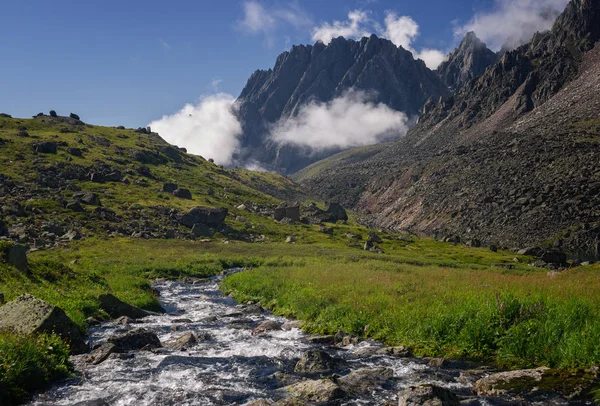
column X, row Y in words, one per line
column 513, row 21
column 208, row 128
column 347, row 121
column 402, row 31
column 259, row 19
column 354, row 27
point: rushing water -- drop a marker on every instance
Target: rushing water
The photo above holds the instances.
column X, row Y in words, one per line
column 231, row 366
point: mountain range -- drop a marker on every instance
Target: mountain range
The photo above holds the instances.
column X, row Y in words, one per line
column 508, row 159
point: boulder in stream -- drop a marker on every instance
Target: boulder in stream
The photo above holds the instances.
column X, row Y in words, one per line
column 185, row 342
column 317, row 391
column 364, row 380
column 135, row 340
column 101, row 354
column 268, row 325
column 502, row 382
column 428, row 395
column 317, row 361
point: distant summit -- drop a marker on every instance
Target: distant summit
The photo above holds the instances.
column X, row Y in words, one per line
column 466, row 62
column 321, row 73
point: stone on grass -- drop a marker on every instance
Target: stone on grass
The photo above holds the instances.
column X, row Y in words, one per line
column 117, row 308
column 28, row 315
column 182, row 194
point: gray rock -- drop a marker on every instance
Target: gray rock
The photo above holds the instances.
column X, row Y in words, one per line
column 291, row 325
column 208, row 216
column 183, row 194
column 117, row 308
column 501, row 382
column 169, row 187
column 365, row 380
column 135, row 340
column 74, row 151
column 101, row 354
column 75, row 205
column 46, row 147
column 3, row 229
column 265, row 326
column 428, row 395
column 317, row 391
column 28, row 315
column 185, row 342
column 289, row 210
column 87, row 198
column 336, row 212
column 202, row 230
column 316, row 361
column 16, row 255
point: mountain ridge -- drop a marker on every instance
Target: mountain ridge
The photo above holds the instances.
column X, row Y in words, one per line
column 490, row 163
column 309, row 73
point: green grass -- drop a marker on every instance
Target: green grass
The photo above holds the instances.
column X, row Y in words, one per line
column 512, row 318
column 30, row 363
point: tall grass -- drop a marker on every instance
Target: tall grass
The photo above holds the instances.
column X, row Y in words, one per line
column 508, row 318
column 30, row 363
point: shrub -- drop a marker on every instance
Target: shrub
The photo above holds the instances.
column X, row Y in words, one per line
column 53, row 113
column 75, row 116
column 30, row 363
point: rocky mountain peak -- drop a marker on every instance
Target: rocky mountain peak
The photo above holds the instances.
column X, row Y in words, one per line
column 466, row 62
column 320, row 73
column 579, row 25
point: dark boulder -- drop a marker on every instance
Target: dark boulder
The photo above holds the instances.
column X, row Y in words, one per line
column 316, row 361
column 101, row 354
column 3, row 229
column 290, row 210
column 203, row 215
column 144, row 171
column 428, row 395
column 531, row 251
column 74, row 151
column 169, row 187
column 135, row 340
column 182, row 193
column 46, row 147
column 15, row 255
column 321, row 392
column 202, row 230
column 365, row 380
column 28, row 315
column 336, row 212
column 75, row 205
column 117, row 308
column 554, row 256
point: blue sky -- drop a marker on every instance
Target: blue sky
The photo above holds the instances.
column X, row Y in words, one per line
column 131, row 62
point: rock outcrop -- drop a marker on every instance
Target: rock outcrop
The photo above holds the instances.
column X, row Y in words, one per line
column 466, row 62
column 28, row 315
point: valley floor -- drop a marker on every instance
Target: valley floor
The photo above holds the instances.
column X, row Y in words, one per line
column 437, row 298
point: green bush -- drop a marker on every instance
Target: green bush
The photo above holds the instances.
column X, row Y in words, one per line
column 30, row 363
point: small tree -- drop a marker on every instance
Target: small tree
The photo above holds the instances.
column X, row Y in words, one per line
column 75, row 116
column 53, row 113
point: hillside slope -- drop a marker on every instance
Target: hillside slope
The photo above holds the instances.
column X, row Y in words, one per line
column 321, row 73
column 509, row 160
column 62, row 179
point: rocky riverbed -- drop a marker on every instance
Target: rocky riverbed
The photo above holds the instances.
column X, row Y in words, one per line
column 209, row 350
